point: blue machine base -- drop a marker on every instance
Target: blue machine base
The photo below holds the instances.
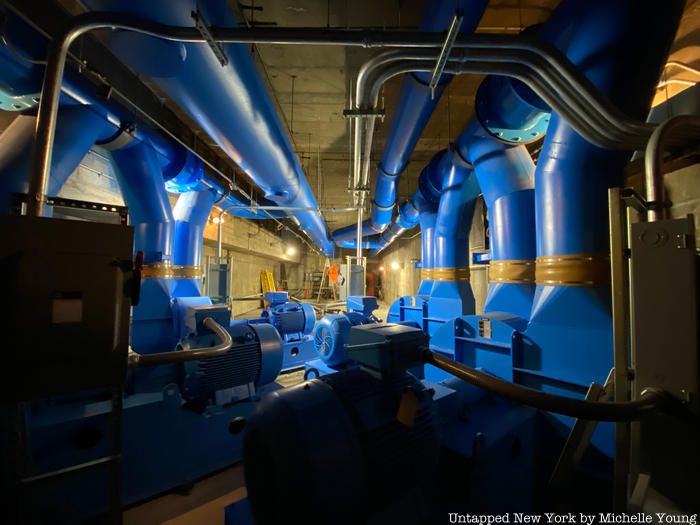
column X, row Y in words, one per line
column 165, row 446
column 297, row 353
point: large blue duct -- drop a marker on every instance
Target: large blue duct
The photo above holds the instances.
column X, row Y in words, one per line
column 229, row 102
column 191, row 213
column 451, row 294
column 415, row 105
column 20, row 83
column 620, row 46
column 506, row 177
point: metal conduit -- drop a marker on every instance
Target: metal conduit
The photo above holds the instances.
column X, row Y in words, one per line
column 48, row 105
column 653, row 160
column 181, row 356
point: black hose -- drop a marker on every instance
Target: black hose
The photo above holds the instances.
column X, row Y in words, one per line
column 651, row 401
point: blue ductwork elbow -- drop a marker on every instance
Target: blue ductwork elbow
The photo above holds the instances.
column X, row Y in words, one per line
column 229, row 102
column 191, row 213
column 506, row 177
column 415, row 105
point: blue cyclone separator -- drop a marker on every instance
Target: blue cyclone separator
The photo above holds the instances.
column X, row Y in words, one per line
column 229, row 102
column 415, row 105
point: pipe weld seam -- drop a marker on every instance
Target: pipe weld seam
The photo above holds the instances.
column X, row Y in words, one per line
column 170, row 271
column 382, row 208
column 459, row 158
column 450, row 274
column 512, row 271
column 387, row 174
column 584, row 269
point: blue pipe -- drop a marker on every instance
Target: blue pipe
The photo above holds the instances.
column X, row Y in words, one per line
column 369, row 243
column 79, row 130
column 506, row 177
column 191, row 213
column 620, row 46
column 415, row 105
column 229, row 102
column 141, row 181
column 453, row 296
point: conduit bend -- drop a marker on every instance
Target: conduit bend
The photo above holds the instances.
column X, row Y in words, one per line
column 415, row 106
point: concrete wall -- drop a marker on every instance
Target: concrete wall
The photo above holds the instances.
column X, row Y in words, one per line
column 405, row 279
column 253, row 249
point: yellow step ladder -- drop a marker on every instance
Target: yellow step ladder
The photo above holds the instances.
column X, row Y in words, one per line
column 267, row 282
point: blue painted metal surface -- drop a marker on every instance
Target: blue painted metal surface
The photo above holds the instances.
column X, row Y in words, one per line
column 294, row 321
column 510, row 111
column 80, row 129
column 567, row 343
column 331, row 333
column 415, row 105
column 506, row 177
column 229, row 102
column 451, row 241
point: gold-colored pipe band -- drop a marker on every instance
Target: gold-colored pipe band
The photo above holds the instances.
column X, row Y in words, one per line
column 450, row 274
column 512, row 271
column 426, row 274
column 585, row 269
column 170, row 271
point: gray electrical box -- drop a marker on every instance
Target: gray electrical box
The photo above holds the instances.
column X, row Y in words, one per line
column 67, row 308
column 664, row 332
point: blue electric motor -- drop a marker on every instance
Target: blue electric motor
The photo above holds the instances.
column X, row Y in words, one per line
column 254, row 360
column 332, row 332
column 294, row 322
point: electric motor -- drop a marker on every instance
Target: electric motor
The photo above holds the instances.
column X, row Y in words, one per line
column 341, row 440
column 255, row 359
column 331, row 335
column 292, row 320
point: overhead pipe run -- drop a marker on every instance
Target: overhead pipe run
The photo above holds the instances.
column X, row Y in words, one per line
column 93, row 21
column 420, row 94
column 240, row 119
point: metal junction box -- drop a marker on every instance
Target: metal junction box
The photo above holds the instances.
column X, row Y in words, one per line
column 67, row 305
column 664, row 331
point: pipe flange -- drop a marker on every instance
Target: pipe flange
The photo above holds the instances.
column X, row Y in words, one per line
column 585, row 269
column 450, row 274
column 512, row 271
column 170, row 271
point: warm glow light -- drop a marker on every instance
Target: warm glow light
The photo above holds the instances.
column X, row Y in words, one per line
column 217, row 220
column 395, row 265
column 381, row 268
column 291, row 250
